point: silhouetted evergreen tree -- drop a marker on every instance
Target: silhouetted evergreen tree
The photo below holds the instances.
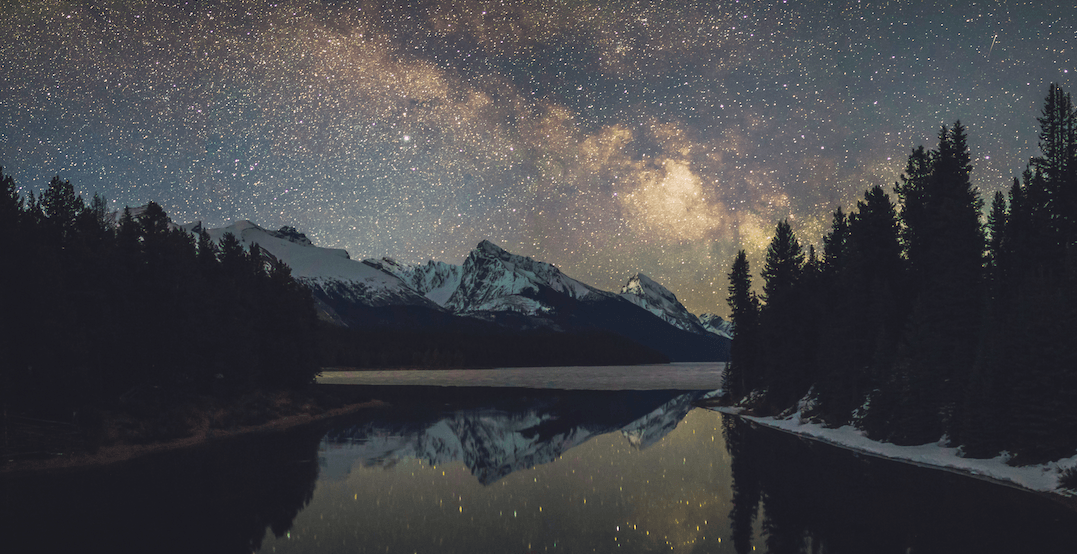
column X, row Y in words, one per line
column 783, row 263
column 741, row 375
column 784, row 350
column 62, row 210
column 861, row 313
column 996, row 231
column 1057, row 165
column 982, row 422
column 835, row 243
column 1036, row 293
column 944, row 246
column 13, row 299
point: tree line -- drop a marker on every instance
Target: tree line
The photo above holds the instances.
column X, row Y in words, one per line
column 922, row 319
column 100, row 307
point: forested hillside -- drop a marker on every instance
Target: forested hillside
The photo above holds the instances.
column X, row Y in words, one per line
column 921, row 318
column 96, row 309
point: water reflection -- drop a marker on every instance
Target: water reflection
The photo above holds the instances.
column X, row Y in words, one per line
column 526, row 471
column 521, row 471
column 493, row 440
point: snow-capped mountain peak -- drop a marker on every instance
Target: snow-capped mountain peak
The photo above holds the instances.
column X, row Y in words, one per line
column 644, row 292
column 434, row 280
column 329, row 272
column 717, row 325
column 493, row 279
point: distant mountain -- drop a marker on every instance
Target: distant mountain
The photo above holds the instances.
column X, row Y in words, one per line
column 506, row 290
column 642, row 291
column 339, row 283
column 715, row 324
column 437, row 281
column 493, row 280
column 520, row 292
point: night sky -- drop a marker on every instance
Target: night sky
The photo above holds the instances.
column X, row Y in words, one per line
column 604, row 137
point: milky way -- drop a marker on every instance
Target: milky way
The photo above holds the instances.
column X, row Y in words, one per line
column 604, row 137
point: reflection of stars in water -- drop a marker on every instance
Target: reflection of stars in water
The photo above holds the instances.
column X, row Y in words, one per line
column 675, row 493
column 603, row 137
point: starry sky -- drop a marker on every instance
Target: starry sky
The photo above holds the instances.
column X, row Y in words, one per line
column 605, row 137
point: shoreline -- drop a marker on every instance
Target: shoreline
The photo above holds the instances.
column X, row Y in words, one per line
column 1038, row 479
column 123, row 451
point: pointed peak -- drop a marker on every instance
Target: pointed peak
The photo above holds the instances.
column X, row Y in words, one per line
column 487, row 246
column 244, row 224
column 640, row 282
column 489, row 250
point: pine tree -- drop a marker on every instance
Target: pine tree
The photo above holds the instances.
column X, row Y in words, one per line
column 835, row 243
column 783, row 263
column 913, row 191
column 1058, row 163
column 943, row 243
column 12, row 302
column 861, row 314
column 786, row 355
column 1037, row 279
column 996, row 229
column 738, row 379
column 62, row 209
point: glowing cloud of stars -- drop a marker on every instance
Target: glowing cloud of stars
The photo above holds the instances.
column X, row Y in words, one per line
column 606, row 137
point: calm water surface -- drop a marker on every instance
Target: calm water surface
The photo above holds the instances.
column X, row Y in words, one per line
column 482, row 470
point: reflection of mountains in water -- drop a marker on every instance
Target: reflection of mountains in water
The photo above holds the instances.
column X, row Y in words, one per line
column 516, row 430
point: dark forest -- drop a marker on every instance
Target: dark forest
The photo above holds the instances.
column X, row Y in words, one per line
column 920, row 319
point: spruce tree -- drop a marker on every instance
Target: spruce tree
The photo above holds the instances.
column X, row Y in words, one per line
column 62, row 208
column 1058, row 163
column 738, row 379
column 784, row 368
column 996, row 229
column 1038, row 277
column 943, row 243
column 835, row 243
column 782, row 265
column 862, row 314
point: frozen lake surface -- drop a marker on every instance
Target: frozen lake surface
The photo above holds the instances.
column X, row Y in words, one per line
column 681, row 376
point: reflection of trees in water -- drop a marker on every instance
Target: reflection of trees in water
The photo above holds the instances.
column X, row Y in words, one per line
column 818, row 498
column 219, row 498
column 746, row 493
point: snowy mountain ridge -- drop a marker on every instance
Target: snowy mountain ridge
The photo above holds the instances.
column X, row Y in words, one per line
column 644, row 292
column 715, row 324
column 493, row 280
column 434, row 280
column 328, row 270
column 494, row 285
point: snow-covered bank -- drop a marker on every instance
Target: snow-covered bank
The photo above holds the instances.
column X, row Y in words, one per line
column 1040, row 478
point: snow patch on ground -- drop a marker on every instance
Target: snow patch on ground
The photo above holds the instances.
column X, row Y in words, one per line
column 1041, row 477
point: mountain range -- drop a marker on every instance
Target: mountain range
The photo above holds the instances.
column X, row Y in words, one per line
column 506, row 290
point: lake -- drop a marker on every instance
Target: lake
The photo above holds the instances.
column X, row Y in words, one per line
column 520, row 470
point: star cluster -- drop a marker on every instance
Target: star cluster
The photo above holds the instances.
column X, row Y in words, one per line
column 606, row 137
